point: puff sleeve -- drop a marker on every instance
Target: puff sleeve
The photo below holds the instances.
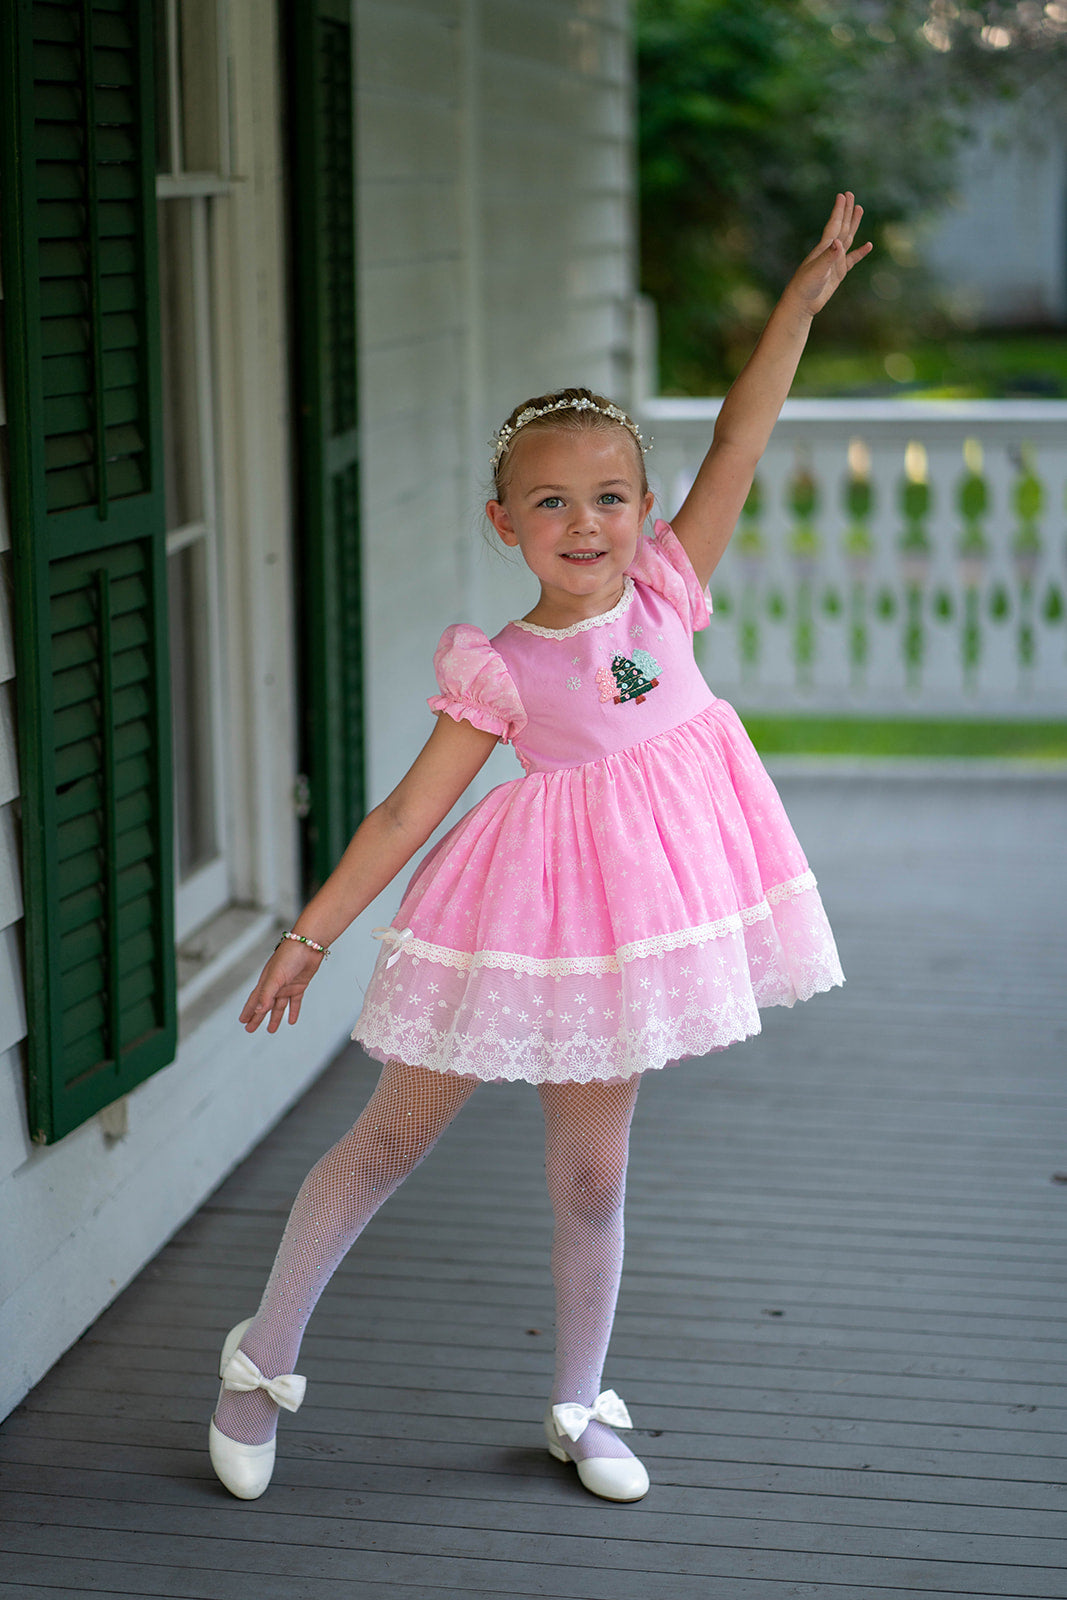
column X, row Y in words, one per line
column 663, row 565
column 475, row 684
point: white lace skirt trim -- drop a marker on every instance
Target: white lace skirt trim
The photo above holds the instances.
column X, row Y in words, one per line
column 657, row 1001
column 572, row 966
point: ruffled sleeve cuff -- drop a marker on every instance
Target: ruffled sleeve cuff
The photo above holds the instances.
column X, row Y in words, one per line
column 476, row 686
column 663, row 565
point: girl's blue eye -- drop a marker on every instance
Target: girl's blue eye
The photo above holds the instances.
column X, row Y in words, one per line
column 551, row 501
column 611, row 499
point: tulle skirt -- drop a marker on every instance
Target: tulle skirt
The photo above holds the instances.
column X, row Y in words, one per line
column 603, row 920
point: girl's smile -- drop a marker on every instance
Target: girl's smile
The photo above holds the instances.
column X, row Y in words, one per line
column 574, row 509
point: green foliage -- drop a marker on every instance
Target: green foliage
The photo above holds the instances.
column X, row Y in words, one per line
column 974, row 367
column 754, row 113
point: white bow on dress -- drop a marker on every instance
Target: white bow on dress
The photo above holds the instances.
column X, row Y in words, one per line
column 397, row 937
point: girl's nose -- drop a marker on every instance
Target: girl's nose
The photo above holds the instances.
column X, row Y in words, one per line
column 582, row 521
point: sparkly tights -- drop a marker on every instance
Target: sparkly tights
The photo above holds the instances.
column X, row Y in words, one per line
column 586, row 1138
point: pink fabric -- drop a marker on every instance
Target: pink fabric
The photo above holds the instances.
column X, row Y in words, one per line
column 636, row 897
column 475, row 686
column 664, row 566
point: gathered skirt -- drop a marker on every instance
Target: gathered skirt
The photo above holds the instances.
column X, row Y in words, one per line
column 603, row 920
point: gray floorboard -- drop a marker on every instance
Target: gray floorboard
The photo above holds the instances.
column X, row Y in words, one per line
column 840, row 1330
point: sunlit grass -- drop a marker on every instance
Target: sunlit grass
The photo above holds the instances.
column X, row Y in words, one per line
column 906, row 738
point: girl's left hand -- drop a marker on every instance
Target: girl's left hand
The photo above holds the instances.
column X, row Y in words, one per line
column 820, row 273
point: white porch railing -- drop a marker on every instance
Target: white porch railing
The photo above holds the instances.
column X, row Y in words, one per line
column 894, row 556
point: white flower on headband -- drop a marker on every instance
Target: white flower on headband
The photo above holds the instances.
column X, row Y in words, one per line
column 502, row 440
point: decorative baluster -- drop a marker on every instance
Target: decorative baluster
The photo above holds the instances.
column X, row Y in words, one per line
column 803, row 547
column 942, row 675
column 998, row 675
column 1027, row 503
column 971, row 501
column 1050, row 577
column 749, row 563
column 858, row 552
column 776, row 673
column 916, row 504
column 830, row 667
column 885, row 668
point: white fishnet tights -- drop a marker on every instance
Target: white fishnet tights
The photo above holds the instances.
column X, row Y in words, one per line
column 587, row 1129
column 587, row 1134
column 402, row 1120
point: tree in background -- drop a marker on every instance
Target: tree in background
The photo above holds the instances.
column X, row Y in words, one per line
column 754, row 112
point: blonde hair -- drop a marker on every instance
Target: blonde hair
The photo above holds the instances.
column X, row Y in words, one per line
column 568, row 411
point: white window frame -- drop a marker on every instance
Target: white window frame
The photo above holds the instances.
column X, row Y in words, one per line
column 207, row 890
column 226, row 913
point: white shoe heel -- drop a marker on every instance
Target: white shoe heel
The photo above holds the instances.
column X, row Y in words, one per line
column 610, row 1477
column 246, row 1469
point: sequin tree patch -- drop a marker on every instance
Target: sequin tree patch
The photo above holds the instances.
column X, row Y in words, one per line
column 630, row 678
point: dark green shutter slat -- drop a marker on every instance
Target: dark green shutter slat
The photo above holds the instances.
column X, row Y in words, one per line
column 82, row 346
column 328, row 486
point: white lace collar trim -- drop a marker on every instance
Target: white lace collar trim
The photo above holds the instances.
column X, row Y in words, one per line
column 587, row 622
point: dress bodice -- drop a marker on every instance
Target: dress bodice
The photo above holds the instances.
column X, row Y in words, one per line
column 570, row 696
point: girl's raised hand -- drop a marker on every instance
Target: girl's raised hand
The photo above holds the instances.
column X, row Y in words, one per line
column 281, row 984
column 820, row 273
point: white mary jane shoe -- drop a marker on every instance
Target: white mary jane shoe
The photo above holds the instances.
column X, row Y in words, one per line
column 612, row 1478
column 246, row 1469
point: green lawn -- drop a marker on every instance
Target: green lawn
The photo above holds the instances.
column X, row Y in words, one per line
column 978, row 367
column 907, row 738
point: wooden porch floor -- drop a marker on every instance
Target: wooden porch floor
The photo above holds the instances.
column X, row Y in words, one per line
column 840, row 1330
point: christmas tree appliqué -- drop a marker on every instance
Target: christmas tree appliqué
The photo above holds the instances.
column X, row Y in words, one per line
column 630, row 678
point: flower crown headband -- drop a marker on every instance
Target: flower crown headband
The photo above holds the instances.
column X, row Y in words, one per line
column 502, row 440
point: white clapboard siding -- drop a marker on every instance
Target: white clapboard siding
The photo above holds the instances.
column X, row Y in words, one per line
column 15, row 1144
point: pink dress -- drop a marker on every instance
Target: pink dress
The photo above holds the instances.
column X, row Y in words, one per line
column 636, row 896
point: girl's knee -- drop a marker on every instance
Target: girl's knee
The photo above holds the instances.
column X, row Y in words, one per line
column 592, row 1186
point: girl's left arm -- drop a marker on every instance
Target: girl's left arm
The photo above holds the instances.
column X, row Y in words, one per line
column 707, row 519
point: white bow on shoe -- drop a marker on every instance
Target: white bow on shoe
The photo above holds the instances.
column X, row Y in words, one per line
column 573, row 1419
column 242, row 1375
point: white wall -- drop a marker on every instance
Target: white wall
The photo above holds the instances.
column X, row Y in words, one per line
column 495, row 253
column 1000, row 249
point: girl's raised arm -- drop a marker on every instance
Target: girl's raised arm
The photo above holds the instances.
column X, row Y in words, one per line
column 706, row 521
column 381, row 846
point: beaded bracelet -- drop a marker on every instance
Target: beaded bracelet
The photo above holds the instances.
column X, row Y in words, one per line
column 299, row 937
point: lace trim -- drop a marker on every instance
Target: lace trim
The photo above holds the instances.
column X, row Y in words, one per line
column 504, row 1046
column 589, row 622
column 576, row 966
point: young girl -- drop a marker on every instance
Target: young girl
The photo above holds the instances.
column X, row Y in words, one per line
column 632, row 899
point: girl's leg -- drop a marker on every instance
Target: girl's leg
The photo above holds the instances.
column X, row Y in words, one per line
column 407, row 1112
column 587, row 1133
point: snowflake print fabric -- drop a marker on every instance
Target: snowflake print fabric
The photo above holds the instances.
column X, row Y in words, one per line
column 636, row 897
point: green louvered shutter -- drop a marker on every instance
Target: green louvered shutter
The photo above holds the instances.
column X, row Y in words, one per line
column 82, row 373
column 324, row 274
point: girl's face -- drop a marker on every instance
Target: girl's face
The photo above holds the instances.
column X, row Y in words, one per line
column 574, row 509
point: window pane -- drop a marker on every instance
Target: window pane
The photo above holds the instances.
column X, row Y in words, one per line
column 194, row 785
column 200, row 86
column 182, row 400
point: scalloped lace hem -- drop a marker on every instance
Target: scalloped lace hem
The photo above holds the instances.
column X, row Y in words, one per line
column 574, row 966
column 588, row 622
